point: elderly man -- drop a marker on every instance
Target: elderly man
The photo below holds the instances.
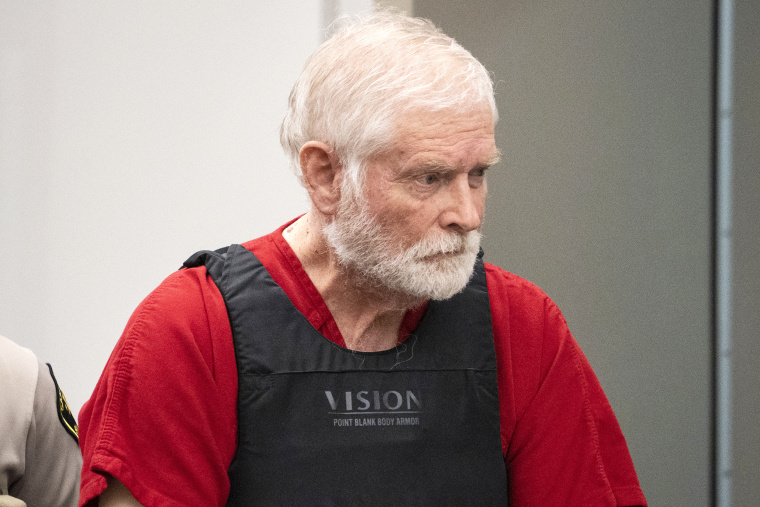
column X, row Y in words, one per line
column 362, row 354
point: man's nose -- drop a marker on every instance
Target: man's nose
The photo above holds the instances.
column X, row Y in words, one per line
column 464, row 207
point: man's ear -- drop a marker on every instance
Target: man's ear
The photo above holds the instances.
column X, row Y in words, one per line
column 322, row 175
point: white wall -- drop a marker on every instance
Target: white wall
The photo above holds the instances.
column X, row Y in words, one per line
column 131, row 135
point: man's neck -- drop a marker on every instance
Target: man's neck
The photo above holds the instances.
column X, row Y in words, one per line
column 367, row 316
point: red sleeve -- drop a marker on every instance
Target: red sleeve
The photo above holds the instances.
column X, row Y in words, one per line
column 169, row 385
column 562, row 442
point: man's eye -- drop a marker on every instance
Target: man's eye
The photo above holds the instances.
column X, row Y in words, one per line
column 477, row 176
column 429, row 179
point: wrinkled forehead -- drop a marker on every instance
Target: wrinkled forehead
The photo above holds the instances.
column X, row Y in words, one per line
column 436, row 143
column 425, row 128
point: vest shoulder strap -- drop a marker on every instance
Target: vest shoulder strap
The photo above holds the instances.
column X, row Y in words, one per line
column 213, row 260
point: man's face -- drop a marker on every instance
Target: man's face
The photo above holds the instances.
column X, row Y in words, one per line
column 415, row 226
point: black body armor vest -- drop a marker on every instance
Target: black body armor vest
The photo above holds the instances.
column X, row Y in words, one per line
column 322, row 425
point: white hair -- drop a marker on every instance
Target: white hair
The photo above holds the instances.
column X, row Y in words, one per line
column 372, row 71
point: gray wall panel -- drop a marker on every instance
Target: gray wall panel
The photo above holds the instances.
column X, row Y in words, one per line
column 603, row 200
column 746, row 244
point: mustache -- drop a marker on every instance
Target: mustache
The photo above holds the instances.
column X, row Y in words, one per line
column 444, row 244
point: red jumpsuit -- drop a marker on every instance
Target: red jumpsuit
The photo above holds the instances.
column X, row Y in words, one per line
column 162, row 418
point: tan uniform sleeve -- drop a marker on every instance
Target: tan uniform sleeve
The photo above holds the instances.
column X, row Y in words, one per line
column 9, row 501
column 53, row 459
column 18, row 381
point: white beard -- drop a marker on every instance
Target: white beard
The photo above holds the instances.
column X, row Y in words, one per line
column 378, row 259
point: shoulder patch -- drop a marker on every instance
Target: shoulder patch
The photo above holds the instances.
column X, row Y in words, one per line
column 64, row 412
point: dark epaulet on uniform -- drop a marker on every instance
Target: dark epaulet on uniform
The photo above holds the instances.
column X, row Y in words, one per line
column 199, row 258
column 64, row 412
